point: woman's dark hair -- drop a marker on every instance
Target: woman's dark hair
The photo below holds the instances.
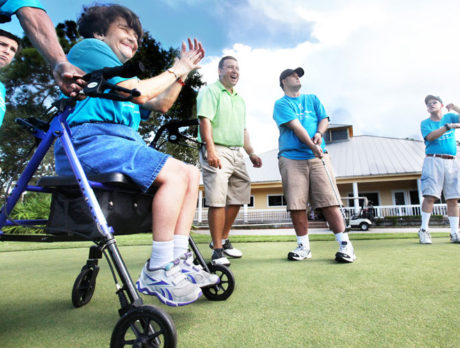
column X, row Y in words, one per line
column 97, row 19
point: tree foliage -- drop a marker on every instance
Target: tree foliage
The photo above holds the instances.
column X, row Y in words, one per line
column 31, row 89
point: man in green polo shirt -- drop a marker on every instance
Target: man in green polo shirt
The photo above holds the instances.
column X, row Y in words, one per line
column 222, row 115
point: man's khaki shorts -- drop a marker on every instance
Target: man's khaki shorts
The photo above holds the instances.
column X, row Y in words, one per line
column 306, row 181
column 441, row 175
column 230, row 185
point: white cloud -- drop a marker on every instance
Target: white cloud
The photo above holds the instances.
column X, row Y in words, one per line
column 375, row 64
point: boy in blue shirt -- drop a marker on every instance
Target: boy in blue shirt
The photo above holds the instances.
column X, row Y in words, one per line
column 9, row 46
column 302, row 121
column 440, row 168
column 40, row 30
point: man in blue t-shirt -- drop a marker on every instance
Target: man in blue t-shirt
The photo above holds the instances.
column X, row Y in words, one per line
column 9, row 46
column 302, row 157
column 440, row 168
column 40, row 30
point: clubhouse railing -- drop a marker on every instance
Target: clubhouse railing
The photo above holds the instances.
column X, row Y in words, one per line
column 263, row 216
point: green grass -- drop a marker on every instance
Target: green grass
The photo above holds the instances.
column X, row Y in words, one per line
column 397, row 294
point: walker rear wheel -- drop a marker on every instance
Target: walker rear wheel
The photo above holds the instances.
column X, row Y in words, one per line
column 144, row 326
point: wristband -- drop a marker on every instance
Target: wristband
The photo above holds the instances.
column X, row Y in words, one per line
column 180, row 81
column 172, row 71
column 319, row 133
column 447, row 127
column 252, row 154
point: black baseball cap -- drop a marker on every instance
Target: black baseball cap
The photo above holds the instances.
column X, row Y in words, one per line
column 429, row 97
column 299, row 71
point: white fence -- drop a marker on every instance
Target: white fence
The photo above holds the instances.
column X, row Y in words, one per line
column 261, row 216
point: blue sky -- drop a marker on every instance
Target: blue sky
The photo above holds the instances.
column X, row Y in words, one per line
column 371, row 63
column 217, row 23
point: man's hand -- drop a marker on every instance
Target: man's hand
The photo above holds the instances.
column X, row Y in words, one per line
column 454, row 107
column 317, row 138
column 317, row 151
column 69, row 78
column 256, row 160
column 213, row 159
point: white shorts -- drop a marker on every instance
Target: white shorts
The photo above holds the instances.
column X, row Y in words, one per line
column 441, row 175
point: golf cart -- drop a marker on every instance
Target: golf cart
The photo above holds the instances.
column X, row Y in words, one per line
column 363, row 220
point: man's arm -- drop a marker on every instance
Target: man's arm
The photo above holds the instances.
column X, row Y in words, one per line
column 440, row 131
column 303, row 136
column 256, row 160
column 206, row 136
column 40, row 30
column 322, row 128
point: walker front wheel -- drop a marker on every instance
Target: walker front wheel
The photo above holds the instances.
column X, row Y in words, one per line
column 84, row 286
column 224, row 289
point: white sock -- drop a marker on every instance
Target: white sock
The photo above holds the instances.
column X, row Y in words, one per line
column 425, row 220
column 304, row 240
column 180, row 245
column 453, row 221
column 342, row 237
column 162, row 254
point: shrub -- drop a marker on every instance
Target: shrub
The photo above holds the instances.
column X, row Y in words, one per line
column 33, row 206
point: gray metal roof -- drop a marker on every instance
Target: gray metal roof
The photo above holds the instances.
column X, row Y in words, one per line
column 358, row 156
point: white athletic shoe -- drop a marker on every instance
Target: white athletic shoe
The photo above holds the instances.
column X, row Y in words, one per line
column 218, row 258
column 300, row 253
column 195, row 273
column 229, row 250
column 169, row 284
column 424, row 236
column 346, row 253
column 455, row 238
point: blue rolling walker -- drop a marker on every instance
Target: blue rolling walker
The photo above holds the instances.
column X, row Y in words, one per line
column 97, row 207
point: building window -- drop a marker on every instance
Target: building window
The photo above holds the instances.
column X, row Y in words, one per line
column 276, row 201
column 372, row 198
column 399, row 198
column 414, row 199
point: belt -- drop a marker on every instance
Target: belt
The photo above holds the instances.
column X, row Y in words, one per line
column 440, row 156
column 94, row 122
column 230, row 147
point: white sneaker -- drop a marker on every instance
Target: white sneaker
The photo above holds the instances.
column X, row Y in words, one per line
column 169, row 284
column 300, row 253
column 229, row 250
column 424, row 236
column 195, row 273
column 218, row 258
column 346, row 253
column 455, row 238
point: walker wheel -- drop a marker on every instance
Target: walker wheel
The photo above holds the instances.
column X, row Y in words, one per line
column 84, row 286
column 144, row 326
column 224, row 289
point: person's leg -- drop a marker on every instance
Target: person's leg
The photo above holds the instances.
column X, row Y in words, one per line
column 452, row 193
column 231, row 212
column 325, row 195
column 427, row 209
column 452, row 213
column 295, row 180
column 216, row 220
column 300, row 221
